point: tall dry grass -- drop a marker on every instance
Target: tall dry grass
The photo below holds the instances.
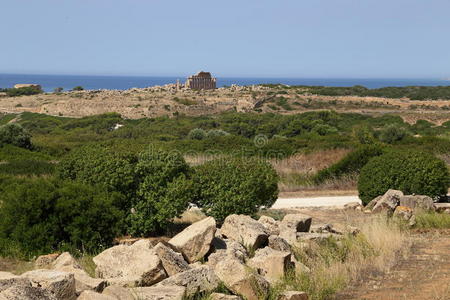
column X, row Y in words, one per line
column 335, row 263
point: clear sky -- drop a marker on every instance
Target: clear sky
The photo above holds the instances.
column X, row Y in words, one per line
column 259, row 38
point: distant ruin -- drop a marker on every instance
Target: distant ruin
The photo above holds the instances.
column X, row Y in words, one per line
column 201, row 81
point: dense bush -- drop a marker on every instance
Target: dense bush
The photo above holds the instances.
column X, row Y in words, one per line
column 40, row 216
column 24, row 91
column 78, row 88
column 163, row 193
column 197, row 134
column 351, row 163
column 391, row 134
column 235, row 186
column 412, row 172
column 99, row 165
column 27, row 167
column 15, row 134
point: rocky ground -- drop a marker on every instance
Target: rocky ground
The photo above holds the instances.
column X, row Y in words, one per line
column 245, row 255
column 167, row 100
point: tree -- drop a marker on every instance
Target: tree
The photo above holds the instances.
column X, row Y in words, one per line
column 78, row 88
column 58, row 90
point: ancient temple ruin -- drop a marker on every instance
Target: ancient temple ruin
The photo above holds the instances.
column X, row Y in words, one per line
column 201, row 81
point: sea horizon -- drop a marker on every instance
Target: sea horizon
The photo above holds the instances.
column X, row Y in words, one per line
column 123, row 82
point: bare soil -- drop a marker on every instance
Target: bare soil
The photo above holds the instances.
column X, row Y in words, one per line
column 424, row 274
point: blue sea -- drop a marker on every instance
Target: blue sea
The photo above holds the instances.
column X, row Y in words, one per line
column 50, row 82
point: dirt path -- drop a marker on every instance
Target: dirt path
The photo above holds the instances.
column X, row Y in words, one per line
column 425, row 274
column 314, row 201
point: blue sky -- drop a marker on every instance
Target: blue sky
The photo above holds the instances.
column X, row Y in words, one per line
column 247, row 38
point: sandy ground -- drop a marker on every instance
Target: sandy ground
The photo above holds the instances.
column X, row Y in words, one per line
column 314, row 201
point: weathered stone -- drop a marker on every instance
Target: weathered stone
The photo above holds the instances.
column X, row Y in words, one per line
column 159, row 293
column 66, row 263
column 195, row 241
column 243, row 229
column 8, row 280
column 298, row 222
column 133, row 265
column 173, row 262
column 321, row 228
column 91, row 295
column 442, row 207
column 293, row 295
column 270, row 263
column 118, row 292
column 417, row 202
column 299, row 267
column 202, row 279
column 372, row 203
column 240, row 279
column 388, row 202
column 270, row 224
column 353, row 206
column 44, row 261
column 403, row 212
column 308, row 236
column 21, row 292
column 231, row 247
column 219, row 296
column 278, row 243
column 60, row 284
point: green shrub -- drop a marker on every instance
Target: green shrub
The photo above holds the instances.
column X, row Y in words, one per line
column 235, row 186
column 41, row 216
column 24, row 91
column 216, row 133
column 15, row 134
column 27, row 167
column 392, row 134
column 78, row 88
column 163, row 193
column 351, row 163
column 412, row 172
column 197, row 134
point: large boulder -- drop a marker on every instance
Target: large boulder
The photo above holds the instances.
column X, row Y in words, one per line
column 442, row 207
column 229, row 247
column 278, row 243
column 200, row 279
column 245, row 230
column 372, row 204
column 173, row 262
column 60, row 284
column 293, row 223
column 118, row 292
column 270, row 224
column 91, row 295
column 135, row 265
column 239, row 279
column 28, row 292
column 388, row 202
column 44, row 261
column 195, row 241
column 298, row 222
column 417, row 202
column 293, row 295
column 270, row 263
column 159, row 293
column 8, row 280
column 66, row 263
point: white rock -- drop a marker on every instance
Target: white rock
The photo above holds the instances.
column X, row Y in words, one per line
column 60, row 284
column 243, row 229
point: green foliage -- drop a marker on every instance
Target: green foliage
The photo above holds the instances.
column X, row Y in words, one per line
column 58, row 90
column 412, row 172
column 99, row 165
column 216, row 133
column 197, row 134
column 15, row 134
column 27, row 168
column 351, row 163
column 78, row 88
column 392, row 133
column 164, row 191
column 39, row 216
column 235, row 186
column 24, row 91
column 10, row 152
column 429, row 220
